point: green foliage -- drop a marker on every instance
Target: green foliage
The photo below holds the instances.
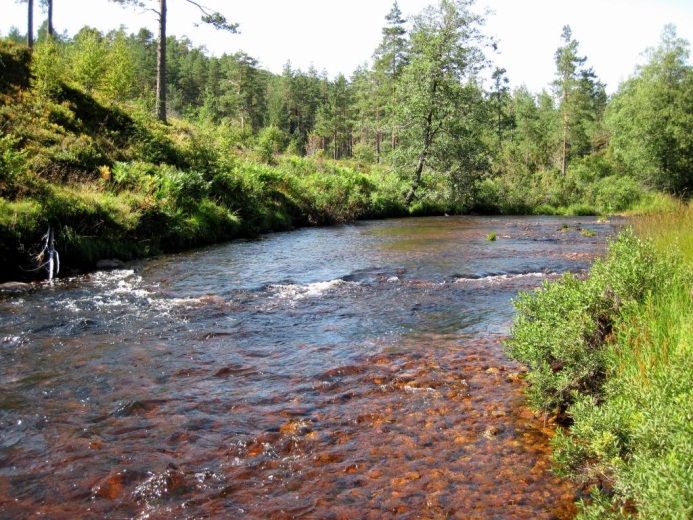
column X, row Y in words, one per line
column 88, row 60
column 560, row 330
column 491, row 237
column 616, row 348
column 47, row 68
column 134, row 176
column 184, row 189
column 12, row 165
column 650, row 119
column 119, row 78
column 270, row 142
column 438, row 105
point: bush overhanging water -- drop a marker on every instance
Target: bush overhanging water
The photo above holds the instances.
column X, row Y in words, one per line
column 614, row 351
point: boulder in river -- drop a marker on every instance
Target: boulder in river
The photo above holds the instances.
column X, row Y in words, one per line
column 108, row 264
column 14, row 288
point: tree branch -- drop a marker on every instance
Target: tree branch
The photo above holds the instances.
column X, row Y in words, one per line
column 215, row 19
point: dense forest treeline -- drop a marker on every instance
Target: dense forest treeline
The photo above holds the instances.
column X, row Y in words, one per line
column 417, row 130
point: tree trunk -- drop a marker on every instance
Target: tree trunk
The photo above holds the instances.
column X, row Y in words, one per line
column 378, row 134
column 30, row 25
column 428, row 140
column 50, row 19
column 161, row 65
column 566, row 120
column 564, row 162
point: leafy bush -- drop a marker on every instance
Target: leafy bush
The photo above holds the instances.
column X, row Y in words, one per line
column 270, row 142
column 12, row 164
column 617, row 193
column 617, row 349
column 560, row 330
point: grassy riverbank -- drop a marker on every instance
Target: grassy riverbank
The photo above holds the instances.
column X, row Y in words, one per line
column 114, row 182
column 614, row 353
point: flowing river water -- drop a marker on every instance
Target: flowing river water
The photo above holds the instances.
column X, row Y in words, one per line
column 347, row 372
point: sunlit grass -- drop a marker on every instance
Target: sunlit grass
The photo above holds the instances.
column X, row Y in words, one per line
column 669, row 230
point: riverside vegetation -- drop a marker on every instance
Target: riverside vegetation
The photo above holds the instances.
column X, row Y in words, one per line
column 242, row 151
column 614, row 353
column 86, row 149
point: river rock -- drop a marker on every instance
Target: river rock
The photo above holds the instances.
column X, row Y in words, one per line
column 491, row 432
column 108, row 264
column 14, row 288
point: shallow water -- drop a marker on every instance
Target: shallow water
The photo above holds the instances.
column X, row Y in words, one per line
column 346, row 372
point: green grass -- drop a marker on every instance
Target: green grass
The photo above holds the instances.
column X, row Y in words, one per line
column 671, row 228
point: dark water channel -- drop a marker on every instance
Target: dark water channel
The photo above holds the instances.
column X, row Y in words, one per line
column 346, row 372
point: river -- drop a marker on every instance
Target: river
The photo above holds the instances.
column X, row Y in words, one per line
column 355, row 371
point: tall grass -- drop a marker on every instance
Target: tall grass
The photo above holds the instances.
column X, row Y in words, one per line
column 669, row 229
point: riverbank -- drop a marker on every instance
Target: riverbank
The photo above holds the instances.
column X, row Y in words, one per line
column 612, row 355
column 113, row 182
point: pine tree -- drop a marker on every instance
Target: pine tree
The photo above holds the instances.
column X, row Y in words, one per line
column 217, row 20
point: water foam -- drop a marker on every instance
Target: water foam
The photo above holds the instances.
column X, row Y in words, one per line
column 501, row 278
column 296, row 292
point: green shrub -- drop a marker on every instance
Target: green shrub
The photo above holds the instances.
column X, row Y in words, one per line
column 617, row 193
column 270, row 142
column 617, row 349
column 560, row 330
column 181, row 188
column 12, row 164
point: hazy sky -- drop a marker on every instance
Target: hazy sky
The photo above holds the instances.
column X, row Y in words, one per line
column 339, row 36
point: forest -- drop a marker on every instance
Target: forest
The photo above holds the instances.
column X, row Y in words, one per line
column 420, row 122
column 133, row 144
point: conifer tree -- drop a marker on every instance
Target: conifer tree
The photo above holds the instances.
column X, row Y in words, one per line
column 216, row 19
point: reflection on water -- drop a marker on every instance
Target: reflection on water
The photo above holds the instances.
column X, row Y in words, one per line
column 354, row 371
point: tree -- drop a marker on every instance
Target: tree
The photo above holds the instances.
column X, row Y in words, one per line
column 88, row 59
column 48, row 6
column 389, row 59
column 438, row 103
column 651, row 120
column 500, row 99
column 334, row 122
column 30, row 23
column 535, row 131
column 217, row 20
column 119, row 78
column 567, row 64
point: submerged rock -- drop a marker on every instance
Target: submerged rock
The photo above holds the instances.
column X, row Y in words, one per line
column 108, row 264
column 14, row 288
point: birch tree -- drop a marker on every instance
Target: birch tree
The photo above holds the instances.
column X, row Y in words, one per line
column 438, row 102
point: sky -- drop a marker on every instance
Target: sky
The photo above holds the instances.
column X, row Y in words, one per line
column 338, row 36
